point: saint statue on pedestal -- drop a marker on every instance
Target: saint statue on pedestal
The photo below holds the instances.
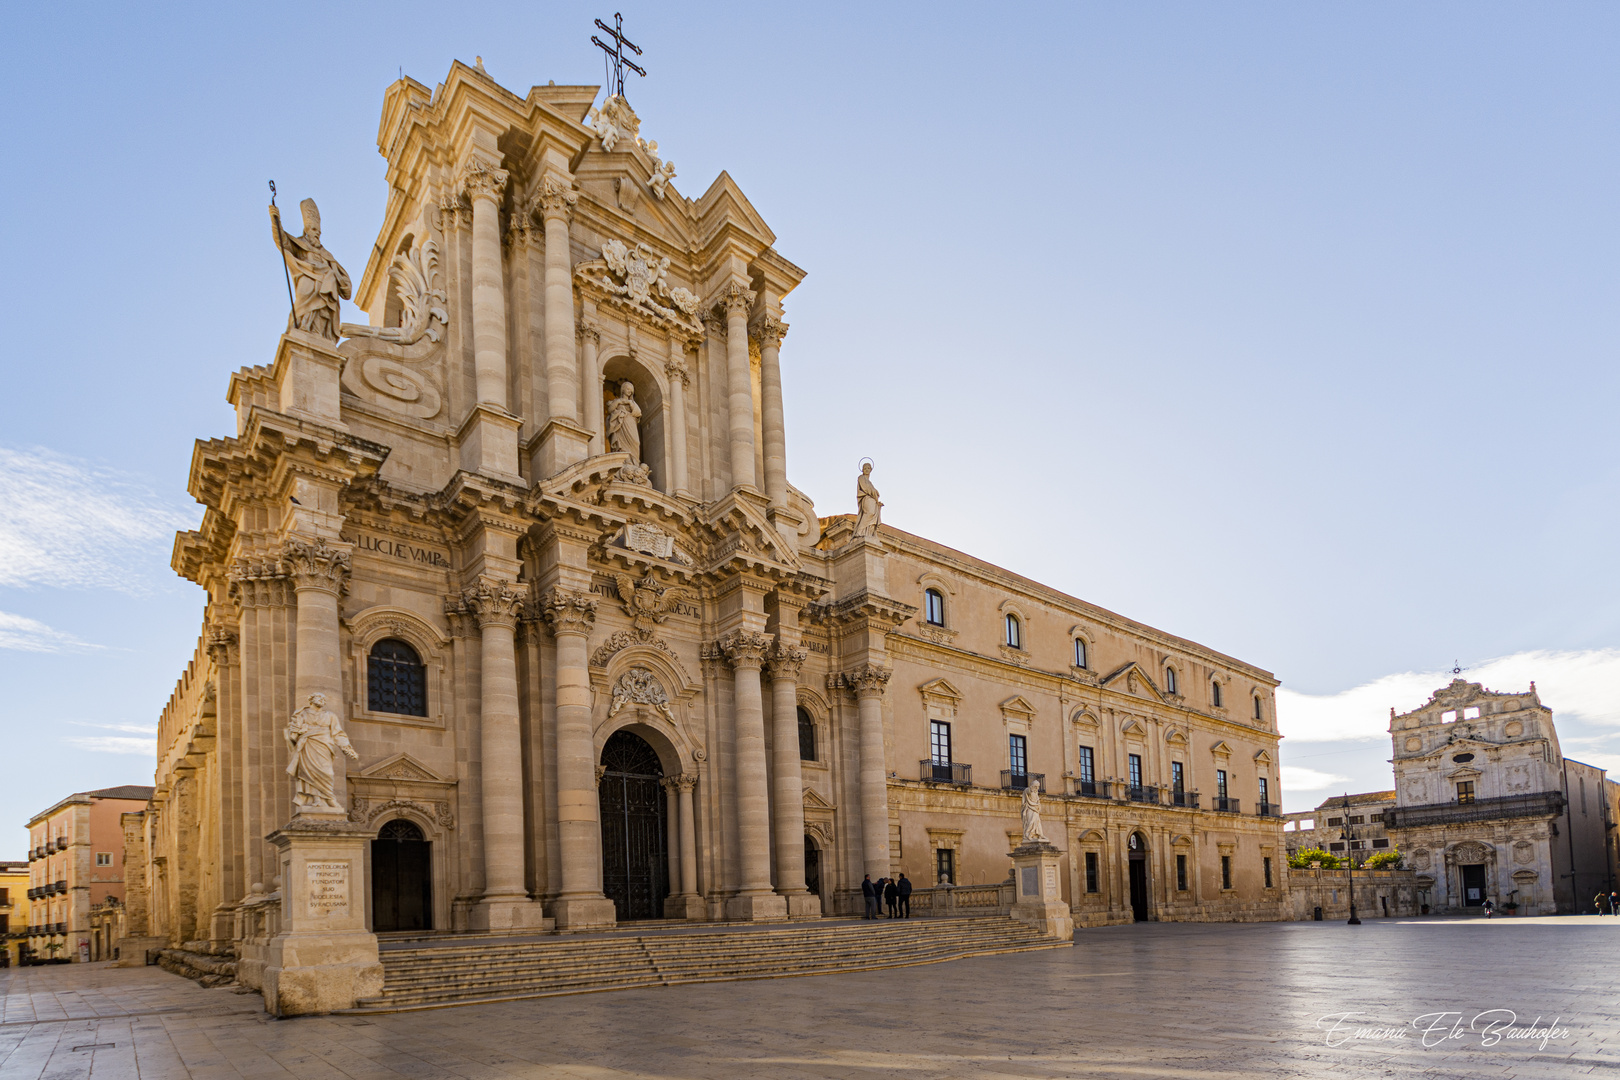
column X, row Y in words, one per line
column 1031, row 813
column 866, row 499
column 624, row 436
column 314, row 737
column 318, row 280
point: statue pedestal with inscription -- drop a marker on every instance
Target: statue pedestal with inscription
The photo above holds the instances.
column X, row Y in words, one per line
column 324, row 958
column 1038, row 896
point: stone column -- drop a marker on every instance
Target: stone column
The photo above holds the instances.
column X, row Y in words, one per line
column 675, row 369
column 787, row 783
column 754, row 900
column 590, row 337
column 580, row 903
column 556, row 201
column 506, row 905
column 320, row 573
column 868, row 682
column 770, row 332
column 739, row 385
column 684, row 785
column 485, row 186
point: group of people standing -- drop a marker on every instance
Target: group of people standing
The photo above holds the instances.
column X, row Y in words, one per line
column 1607, row 903
column 896, row 895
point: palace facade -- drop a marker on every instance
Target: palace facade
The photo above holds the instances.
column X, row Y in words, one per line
column 530, row 533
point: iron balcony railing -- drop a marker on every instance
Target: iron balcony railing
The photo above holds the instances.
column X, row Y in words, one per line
column 1146, row 793
column 61, row 928
column 1018, row 781
column 1224, row 805
column 1541, row 804
column 1188, row 799
column 1091, row 789
column 61, row 885
column 947, row 772
column 1267, row 809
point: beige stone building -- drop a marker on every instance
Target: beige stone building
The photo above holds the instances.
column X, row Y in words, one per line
column 1488, row 807
column 76, row 863
column 526, row 543
column 14, row 903
column 1326, row 826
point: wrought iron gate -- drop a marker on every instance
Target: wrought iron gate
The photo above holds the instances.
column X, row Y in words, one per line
column 635, row 853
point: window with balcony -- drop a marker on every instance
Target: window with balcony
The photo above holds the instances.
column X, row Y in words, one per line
column 934, row 607
column 1092, row 883
column 1015, row 632
column 1136, row 771
column 1220, row 783
column 1017, row 755
column 939, row 741
column 1265, row 795
column 1465, row 791
column 1181, row 873
column 1087, row 771
column 1178, row 778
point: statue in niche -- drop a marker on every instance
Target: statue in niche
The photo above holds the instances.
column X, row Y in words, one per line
column 866, row 498
column 319, row 282
column 623, row 418
column 314, row 737
column 1031, row 813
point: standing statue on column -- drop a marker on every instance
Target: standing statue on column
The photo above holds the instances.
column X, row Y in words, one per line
column 318, row 281
column 314, row 737
column 1031, row 813
column 866, row 498
column 623, row 416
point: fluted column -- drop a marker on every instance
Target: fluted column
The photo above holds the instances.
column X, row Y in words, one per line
column 484, row 186
column 769, row 332
column 580, row 903
column 675, row 369
column 556, row 202
column 787, row 787
column 868, row 682
column 739, row 385
column 590, row 338
column 754, row 900
column 495, row 604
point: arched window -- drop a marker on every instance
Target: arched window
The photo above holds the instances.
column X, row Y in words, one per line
column 1257, row 713
column 934, row 607
column 396, row 681
column 1170, row 680
column 807, row 736
column 1215, row 693
column 1079, row 653
column 1015, row 636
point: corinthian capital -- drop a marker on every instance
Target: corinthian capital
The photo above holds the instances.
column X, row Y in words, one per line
column 745, row 649
column 568, row 612
column 735, row 299
column 589, row 331
column 482, row 181
column 676, row 369
column 317, row 565
column 494, row 602
column 768, row 331
column 785, row 662
column 868, row 680
column 556, row 197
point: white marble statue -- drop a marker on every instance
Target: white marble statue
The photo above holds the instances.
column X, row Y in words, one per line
column 1031, row 813
column 623, row 416
column 319, row 282
column 866, row 499
column 314, row 737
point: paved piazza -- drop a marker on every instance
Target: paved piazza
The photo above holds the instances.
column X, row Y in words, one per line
column 1178, row 1000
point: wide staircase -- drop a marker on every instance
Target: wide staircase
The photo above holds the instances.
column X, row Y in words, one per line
column 425, row 973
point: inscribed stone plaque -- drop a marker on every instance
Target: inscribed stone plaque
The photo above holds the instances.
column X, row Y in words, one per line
column 1051, row 881
column 328, row 889
column 1032, row 881
column 649, row 539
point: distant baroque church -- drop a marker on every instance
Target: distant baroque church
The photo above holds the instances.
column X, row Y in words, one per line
column 529, row 535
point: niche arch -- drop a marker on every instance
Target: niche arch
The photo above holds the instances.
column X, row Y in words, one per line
column 650, row 396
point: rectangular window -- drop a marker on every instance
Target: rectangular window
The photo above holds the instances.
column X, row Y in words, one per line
column 1357, row 845
column 1265, row 793
column 939, row 734
column 1471, row 713
column 1381, row 843
column 944, row 866
column 1181, row 873
column 1178, row 777
column 1092, row 885
column 1226, row 871
column 1358, row 819
column 1220, row 783
column 1215, row 694
column 1017, row 755
column 5, row 896
column 1266, row 864
column 103, row 858
column 1332, row 821
column 1136, row 770
column 1336, row 846
column 1465, row 791
column 934, row 602
column 1088, row 765
column 1079, row 653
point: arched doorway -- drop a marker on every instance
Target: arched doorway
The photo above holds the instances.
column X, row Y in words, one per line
column 1136, row 852
column 401, row 878
column 635, row 857
column 812, row 866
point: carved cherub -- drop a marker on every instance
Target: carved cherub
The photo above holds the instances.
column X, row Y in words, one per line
column 646, row 603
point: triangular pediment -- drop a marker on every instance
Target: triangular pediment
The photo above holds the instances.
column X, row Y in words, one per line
column 812, row 801
column 401, row 767
column 1018, row 705
column 1221, row 748
column 940, row 688
column 1133, row 726
column 1263, row 756
column 1175, row 738
column 1130, row 678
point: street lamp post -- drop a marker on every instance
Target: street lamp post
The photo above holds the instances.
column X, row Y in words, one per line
column 1350, row 861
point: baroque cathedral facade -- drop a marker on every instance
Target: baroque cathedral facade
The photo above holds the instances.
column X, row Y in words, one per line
column 529, row 536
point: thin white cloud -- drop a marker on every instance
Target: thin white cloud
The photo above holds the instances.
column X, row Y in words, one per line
column 1298, row 778
column 70, row 524
column 138, row 729
column 30, row 635
column 114, row 744
column 1582, row 685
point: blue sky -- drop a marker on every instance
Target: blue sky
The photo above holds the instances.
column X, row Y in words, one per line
column 1291, row 330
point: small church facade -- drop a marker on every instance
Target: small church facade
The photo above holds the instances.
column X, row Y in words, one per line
column 529, row 534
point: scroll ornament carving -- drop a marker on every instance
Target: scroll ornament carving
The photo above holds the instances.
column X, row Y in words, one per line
column 639, row 276
column 785, row 661
column 365, row 810
column 317, row 565
column 415, row 273
column 494, row 602
column 568, row 612
column 638, row 686
column 556, row 197
column 620, row 640
column 770, row 331
column 481, row 181
column 647, row 603
column 745, row 648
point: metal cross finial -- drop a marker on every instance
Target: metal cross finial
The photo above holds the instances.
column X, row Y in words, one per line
column 1456, row 667
column 615, row 60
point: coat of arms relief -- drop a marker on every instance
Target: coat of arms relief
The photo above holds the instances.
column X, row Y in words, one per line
column 636, row 278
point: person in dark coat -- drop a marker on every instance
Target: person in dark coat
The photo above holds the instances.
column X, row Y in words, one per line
column 891, row 897
column 869, row 891
column 903, row 888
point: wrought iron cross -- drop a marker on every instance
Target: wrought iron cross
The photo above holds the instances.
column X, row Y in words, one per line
column 616, row 62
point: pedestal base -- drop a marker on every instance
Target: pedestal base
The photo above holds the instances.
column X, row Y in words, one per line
column 508, row 914
column 1038, row 897
column 805, row 905
column 489, row 444
column 692, row 908
column 558, row 445
column 588, row 913
column 321, row 973
column 766, row 907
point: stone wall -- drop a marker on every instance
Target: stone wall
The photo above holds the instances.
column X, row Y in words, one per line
column 1379, row 893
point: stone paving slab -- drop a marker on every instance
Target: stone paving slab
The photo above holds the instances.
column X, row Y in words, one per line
column 1153, row 1000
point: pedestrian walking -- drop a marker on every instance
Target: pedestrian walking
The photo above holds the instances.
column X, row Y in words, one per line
column 891, row 897
column 1614, row 903
column 904, row 889
column 1598, row 901
column 1490, row 910
column 869, row 891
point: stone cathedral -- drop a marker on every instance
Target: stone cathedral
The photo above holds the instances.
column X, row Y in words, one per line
column 515, row 622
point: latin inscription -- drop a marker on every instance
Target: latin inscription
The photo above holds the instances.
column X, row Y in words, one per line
column 1032, row 881
column 328, row 889
column 397, row 549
